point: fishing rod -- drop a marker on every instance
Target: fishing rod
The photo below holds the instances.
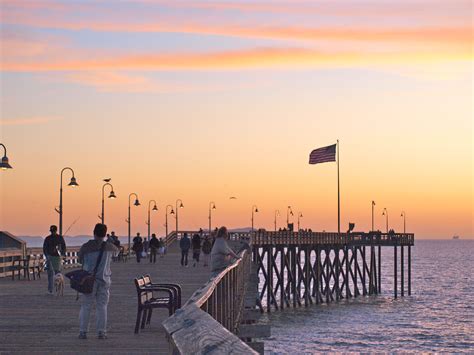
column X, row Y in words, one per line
column 72, row 224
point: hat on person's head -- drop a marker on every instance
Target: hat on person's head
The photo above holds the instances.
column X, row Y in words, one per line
column 53, row 228
column 100, row 230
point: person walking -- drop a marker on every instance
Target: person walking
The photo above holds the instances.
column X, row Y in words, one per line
column 162, row 248
column 184, row 244
column 138, row 247
column 221, row 254
column 154, row 247
column 196, row 243
column 96, row 253
column 206, row 249
column 116, row 241
column 54, row 247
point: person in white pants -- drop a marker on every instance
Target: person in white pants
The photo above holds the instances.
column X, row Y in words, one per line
column 88, row 257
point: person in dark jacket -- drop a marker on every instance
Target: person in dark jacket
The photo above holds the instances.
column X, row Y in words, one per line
column 206, row 249
column 196, row 243
column 53, row 248
column 154, row 246
column 162, row 248
column 184, row 244
column 138, row 247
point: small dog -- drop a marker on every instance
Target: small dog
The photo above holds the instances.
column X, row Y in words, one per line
column 59, row 284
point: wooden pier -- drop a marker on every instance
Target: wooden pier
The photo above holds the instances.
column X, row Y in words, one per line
column 312, row 268
column 277, row 270
column 33, row 322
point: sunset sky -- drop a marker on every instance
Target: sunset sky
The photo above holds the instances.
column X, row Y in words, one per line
column 203, row 100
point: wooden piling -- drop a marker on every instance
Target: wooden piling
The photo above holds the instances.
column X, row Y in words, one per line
column 409, row 270
column 346, row 252
column 395, row 261
column 379, row 274
column 402, row 270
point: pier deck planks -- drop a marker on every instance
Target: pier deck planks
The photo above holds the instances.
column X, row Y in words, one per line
column 32, row 321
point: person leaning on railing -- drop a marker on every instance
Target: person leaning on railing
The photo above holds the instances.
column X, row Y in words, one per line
column 221, row 254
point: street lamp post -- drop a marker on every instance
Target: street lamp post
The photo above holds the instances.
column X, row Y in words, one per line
column 385, row 213
column 136, row 203
column 180, row 206
column 254, row 210
column 300, row 215
column 4, row 165
column 166, row 218
column 277, row 213
column 72, row 183
column 404, row 221
column 288, row 212
column 212, row 206
column 111, row 196
column 149, row 219
column 373, row 204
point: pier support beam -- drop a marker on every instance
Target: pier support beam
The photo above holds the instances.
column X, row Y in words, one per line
column 409, row 270
column 402, row 270
column 395, row 271
column 380, row 270
column 346, row 252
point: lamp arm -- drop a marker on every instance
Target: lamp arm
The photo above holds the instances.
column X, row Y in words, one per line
column 4, row 148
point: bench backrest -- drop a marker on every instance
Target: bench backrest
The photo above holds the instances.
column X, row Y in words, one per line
column 143, row 296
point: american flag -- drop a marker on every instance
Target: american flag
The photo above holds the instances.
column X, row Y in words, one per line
column 323, row 155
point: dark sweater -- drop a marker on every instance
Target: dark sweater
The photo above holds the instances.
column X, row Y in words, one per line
column 185, row 243
column 154, row 243
column 54, row 246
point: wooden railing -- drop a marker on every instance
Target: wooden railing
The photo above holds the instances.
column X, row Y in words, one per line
column 7, row 257
column 371, row 238
column 211, row 317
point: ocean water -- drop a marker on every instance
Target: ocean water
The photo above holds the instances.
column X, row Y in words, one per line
column 437, row 317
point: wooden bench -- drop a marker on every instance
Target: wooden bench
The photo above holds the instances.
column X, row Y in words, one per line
column 35, row 265
column 148, row 300
column 20, row 265
column 175, row 288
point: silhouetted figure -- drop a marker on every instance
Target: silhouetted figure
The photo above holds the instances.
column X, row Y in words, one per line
column 196, row 242
column 206, row 249
column 88, row 257
column 53, row 248
column 138, row 247
column 221, row 254
column 184, row 244
column 115, row 239
column 162, row 248
column 154, row 247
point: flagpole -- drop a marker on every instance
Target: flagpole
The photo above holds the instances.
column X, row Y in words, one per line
column 338, row 193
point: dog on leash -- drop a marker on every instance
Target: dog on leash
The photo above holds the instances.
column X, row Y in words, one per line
column 59, row 284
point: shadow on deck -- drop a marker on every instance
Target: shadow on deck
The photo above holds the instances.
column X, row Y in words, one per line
column 32, row 321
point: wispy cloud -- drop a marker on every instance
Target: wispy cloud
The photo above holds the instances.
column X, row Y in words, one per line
column 27, row 121
column 237, row 59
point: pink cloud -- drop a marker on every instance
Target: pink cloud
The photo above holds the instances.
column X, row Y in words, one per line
column 27, row 121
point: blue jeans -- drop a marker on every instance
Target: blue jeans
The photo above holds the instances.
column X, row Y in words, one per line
column 100, row 295
column 52, row 271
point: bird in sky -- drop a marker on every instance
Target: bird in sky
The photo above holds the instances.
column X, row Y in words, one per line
column 107, row 180
column 232, row 198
